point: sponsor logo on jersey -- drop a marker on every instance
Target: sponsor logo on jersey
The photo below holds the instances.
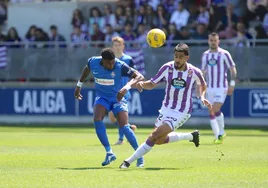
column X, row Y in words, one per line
column 105, row 82
column 212, row 62
column 178, row 83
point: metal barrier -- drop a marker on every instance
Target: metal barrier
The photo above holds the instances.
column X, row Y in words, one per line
column 61, row 62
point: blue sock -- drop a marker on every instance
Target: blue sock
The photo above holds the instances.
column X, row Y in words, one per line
column 131, row 137
column 120, row 132
column 101, row 133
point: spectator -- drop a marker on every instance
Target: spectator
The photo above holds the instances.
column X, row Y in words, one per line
column 41, row 38
column 128, row 34
column 95, row 16
column 141, row 15
column 257, row 8
column 242, row 36
column 180, row 17
column 201, row 32
column 120, row 18
column 13, row 37
column 170, row 5
column 110, row 33
column 3, row 12
column 239, row 7
column 30, row 35
column 109, row 17
column 162, row 16
column 203, row 16
column 150, row 17
column 184, row 34
column 98, row 35
column 77, row 37
column 78, row 20
column 141, row 35
column 261, row 33
column 173, row 35
column 130, row 16
column 56, row 37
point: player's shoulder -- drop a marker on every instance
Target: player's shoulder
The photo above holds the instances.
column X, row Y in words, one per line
column 126, row 57
column 206, row 52
column 168, row 64
column 94, row 58
column 224, row 51
column 195, row 69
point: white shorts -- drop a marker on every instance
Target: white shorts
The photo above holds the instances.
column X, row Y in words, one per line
column 216, row 95
column 173, row 118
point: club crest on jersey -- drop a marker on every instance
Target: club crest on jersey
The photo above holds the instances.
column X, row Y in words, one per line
column 212, row 62
column 113, row 74
column 178, row 83
column 190, row 73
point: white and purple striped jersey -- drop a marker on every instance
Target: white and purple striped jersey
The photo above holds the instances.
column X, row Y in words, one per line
column 215, row 64
column 179, row 86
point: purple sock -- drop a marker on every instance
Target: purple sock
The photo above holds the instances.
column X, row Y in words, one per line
column 149, row 143
column 218, row 113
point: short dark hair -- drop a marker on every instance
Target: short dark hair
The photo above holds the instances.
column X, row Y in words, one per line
column 182, row 48
column 107, row 53
column 213, row 34
column 53, row 27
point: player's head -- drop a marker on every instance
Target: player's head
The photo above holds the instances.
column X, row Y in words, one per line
column 181, row 55
column 213, row 41
column 108, row 58
column 118, row 45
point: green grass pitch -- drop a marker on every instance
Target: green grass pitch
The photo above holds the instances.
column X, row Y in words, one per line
column 71, row 157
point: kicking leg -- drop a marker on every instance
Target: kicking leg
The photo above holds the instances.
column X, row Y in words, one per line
column 144, row 148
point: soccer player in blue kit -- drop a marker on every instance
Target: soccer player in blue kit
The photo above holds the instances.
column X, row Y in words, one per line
column 118, row 47
column 110, row 91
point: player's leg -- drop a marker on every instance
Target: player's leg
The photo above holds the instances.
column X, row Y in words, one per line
column 120, row 130
column 216, row 107
column 121, row 113
column 220, row 120
column 175, row 121
column 145, row 147
column 213, row 122
column 100, row 109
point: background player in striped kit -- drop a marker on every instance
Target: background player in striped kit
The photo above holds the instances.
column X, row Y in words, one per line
column 215, row 62
column 118, row 47
column 180, row 78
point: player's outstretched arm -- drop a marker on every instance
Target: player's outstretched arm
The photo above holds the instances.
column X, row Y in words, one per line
column 136, row 77
column 80, row 82
column 147, row 85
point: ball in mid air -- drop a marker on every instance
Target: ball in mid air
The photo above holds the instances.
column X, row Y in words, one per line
column 156, row 38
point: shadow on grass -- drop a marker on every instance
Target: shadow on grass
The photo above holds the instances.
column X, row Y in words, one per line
column 166, row 168
column 84, row 168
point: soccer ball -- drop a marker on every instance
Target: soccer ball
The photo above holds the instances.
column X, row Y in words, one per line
column 156, row 38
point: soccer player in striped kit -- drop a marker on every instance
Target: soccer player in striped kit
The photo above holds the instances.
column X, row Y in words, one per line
column 176, row 109
column 215, row 62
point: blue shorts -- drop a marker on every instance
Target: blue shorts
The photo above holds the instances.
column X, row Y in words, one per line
column 112, row 104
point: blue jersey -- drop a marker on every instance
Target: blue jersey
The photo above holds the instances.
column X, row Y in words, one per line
column 128, row 60
column 108, row 82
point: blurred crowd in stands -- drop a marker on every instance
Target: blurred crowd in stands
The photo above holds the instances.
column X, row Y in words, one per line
column 238, row 20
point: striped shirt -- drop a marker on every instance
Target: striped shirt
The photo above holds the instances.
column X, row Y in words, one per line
column 138, row 59
column 3, row 57
column 215, row 64
column 179, row 86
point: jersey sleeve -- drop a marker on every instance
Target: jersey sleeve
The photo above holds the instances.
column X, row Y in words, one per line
column 89, row 62
column 204, row 62
column 229, row 60
column 199, row 77
column 160, row 74
column 127, row 70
